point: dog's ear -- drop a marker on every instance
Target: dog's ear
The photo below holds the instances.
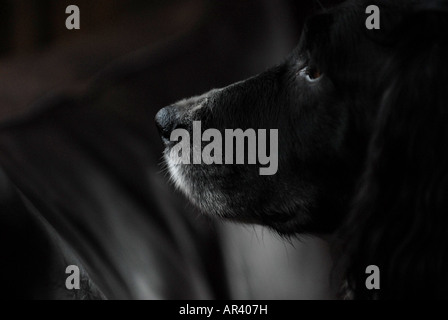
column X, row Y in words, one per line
column 399, row 218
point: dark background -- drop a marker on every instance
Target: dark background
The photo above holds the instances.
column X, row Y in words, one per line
column 30, row 25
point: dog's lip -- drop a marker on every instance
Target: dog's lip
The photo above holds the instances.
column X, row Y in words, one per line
column 165, row 141
column 168, row 143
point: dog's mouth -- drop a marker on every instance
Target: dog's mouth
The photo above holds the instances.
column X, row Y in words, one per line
column 221, row 192
column 201, row 184
column 236, row 192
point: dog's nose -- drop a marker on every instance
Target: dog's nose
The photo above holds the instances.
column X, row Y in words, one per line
column 166, row 121
column 180, row 115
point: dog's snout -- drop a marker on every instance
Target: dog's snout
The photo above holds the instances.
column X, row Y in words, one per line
column 167, row 120
column 179, row 115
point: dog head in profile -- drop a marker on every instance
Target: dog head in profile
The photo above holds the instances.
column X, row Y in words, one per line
column 360, row 124
column 321, row 99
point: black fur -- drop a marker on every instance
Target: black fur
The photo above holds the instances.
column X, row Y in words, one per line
column 399, row 217
column 323, row 128
column 369, row 137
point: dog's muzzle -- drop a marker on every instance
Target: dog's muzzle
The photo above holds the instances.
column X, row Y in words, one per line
column 180, row 115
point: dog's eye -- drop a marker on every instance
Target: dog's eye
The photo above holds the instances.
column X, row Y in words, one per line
column 311, row 74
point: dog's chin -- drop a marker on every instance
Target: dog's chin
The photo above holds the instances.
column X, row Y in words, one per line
column 199, row 185
column 204, row 197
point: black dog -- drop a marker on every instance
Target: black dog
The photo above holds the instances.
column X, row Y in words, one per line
column 361, row 115
column 322, row 100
